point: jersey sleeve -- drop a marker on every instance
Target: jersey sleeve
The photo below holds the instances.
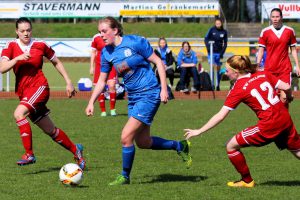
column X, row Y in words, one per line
column 93, row 44
column 233, row 99
column 7, row 51
column 48, row 51
column 105, row 64
column 143, row 47
column 262, row 39
column 195, row 59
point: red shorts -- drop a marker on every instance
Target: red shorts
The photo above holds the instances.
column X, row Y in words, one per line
column 286, row 139
column 111, row 76
column 35, row 99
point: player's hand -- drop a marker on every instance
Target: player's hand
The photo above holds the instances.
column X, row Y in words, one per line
column 70, row 90
column 189, row 133
column 298, row 71
column 92, row 71
column 164, row 97
column 89, row 111
column 24, row 56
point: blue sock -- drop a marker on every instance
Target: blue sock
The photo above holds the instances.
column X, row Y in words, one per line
column 128, row 157
column 163, row 144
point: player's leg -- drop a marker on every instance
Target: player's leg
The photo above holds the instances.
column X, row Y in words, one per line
column 145, row 141
column 20, row 115
column 113, row 96
column 129, row 132
column 239, row 162
column 61, row 138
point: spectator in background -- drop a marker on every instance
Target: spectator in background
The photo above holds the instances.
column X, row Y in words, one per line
column 97, row 46
column 187, row 61
column 218, row 35
column 277, row 39
column 166, row 55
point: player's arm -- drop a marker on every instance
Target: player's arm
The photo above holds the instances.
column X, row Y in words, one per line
column 295, row 56
column 287, row 90
column 92, row 61
column 162, row 76
column 260, row 55
column 214, row 121
column 6, row 64
column 97, row 91
column 61, row 69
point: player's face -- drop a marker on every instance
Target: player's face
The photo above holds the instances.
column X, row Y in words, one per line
column 276, row 19
column 108, row 34
column 218, row 24
column 162, row 43
column 24, row 32
column 231, row 73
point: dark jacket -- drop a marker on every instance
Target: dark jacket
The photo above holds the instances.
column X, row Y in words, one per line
column 219, row 36
column 169, row 56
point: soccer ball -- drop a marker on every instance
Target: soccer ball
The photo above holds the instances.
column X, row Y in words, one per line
column 71, row 174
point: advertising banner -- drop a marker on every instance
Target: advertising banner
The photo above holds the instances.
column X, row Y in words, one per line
column 50, row 9
column 290, row 10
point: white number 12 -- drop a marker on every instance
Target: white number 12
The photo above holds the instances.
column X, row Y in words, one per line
column 271, row 98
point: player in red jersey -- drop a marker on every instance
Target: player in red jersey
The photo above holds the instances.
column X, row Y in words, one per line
column 256, row 89
column 25, row 56
column 277, row 39
column 97, row 46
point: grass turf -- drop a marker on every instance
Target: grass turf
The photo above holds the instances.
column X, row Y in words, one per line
column 156, row 174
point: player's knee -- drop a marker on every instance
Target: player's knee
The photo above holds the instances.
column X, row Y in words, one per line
column 18, row 115
column 296, row 154
column 125, row 139
column 143, row 144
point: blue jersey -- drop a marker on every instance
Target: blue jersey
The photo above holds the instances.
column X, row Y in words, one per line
column 187, row 58
column 130, row 59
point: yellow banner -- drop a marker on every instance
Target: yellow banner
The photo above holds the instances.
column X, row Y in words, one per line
column 168, row 12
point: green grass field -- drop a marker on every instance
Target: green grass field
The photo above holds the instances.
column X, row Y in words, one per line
column 87, row 30
column 156, row 174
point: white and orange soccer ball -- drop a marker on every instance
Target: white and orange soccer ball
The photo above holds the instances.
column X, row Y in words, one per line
column 71, row 174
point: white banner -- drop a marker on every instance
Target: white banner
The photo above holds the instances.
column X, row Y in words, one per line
column 96, row 9
column 290, row 10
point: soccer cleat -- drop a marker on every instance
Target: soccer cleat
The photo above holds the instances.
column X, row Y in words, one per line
column 185, row 153
column 26, row 159
column 120, row 180
column 113, row 112
column 78, row 156
column 103, row 114
column 241, row 183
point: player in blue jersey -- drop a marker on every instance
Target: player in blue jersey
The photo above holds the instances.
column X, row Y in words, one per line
column 131, row 56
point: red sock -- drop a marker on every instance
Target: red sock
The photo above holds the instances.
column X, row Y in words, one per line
column 61, row 138
column 101, row 100
column 112, row 96
column 26, row 135
column 238, row 160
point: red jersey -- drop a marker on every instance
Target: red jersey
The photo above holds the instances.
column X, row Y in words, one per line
column 98, row 44
column 258, row 92
column 28, row 72
column 277, row 43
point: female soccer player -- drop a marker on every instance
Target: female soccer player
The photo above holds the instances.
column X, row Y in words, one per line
column 277, row 40
column 131, row 56
column 25, row 56
column 256, row 90
column 97, row 46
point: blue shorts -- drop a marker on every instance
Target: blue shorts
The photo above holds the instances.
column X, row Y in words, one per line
column 144, row 106
column 216, row 59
